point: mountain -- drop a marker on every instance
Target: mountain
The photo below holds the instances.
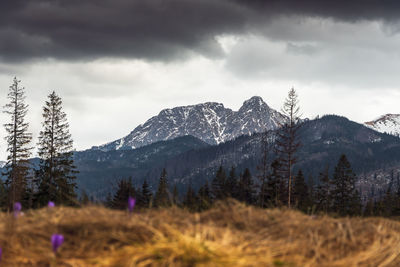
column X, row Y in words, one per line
column 388, row 123
column 374, row 157
column 98, row 170
column 2, row 164
column 210, row 122
column 323, row 141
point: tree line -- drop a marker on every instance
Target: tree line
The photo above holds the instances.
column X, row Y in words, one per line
column 54, row 178
column 275, row 183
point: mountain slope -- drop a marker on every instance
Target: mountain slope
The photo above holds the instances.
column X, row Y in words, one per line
column 323, row 141
column 388, row 123
column 210, row 122
column 99, row 170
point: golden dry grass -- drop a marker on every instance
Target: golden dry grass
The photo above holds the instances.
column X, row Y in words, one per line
column 231, row 234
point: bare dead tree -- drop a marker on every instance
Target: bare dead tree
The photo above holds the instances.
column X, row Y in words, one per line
column 287, row 142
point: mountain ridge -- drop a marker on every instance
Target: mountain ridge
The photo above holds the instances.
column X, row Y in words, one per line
column 211, row 122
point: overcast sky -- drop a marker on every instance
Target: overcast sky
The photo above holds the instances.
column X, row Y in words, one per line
column 116, row 63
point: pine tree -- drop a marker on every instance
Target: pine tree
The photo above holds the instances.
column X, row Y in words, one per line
column 124, row 191
column 162, row 198
column 323, row 192
column 218, row 184
column 204, row 197
column 246, row 187
column 18, row 139
column 344, row 194
column 56, row 174
column 146, row 196
column 301, row 197
column 231, row 184
column 287, row 142
column 275, row 189
column 191, row 201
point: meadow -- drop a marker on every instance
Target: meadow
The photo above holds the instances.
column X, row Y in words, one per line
column 229, row 234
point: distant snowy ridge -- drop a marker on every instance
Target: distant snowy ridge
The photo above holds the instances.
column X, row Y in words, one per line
column 211, row 122
column 388, row 123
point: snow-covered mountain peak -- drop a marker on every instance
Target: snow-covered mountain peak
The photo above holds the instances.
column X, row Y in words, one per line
column 210, row 122
column 254, row 101
column 388, row 123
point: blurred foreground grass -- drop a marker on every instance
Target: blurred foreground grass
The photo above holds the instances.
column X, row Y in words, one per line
column 230, row 234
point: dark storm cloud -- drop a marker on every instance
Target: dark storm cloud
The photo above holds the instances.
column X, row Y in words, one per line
column 152, row 29
column 348, row 10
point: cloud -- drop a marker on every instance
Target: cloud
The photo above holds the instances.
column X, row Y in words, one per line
column 161, row 30
column 361, row 55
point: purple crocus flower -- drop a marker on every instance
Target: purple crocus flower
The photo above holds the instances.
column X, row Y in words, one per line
column 17, row 208
column 56, row 241
column 131, row 203
column 51, row 204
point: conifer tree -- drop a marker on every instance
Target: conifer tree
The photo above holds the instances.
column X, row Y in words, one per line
column 124, row 191
column 246, row 187
column 231, row 184
column 345, row 197
column 205, row 197
column 287, row 142
column 190, row 201
column 219, row 184
column 301, row 195
column 323, row 192
column 145, row 196
column 56, row 174
column 162, row 198
column 18, row 139
column 275, row 189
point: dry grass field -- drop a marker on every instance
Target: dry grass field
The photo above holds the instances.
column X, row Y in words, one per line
column 230, row 234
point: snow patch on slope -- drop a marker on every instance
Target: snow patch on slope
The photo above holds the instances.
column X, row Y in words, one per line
column 388, row 123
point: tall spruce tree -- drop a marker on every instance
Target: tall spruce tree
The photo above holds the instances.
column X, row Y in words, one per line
column 345, row 197
column 287, row 142
column 121, row 196
column 301, row 196
column 191, row 201
column 246, row 187
column 218, row 185
column 205, row 198
column 19, row 151
column 231, row 184
column 56, row 174
column 275, row 189
column 323, row 192
column 162, row 197
column 146, row 196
